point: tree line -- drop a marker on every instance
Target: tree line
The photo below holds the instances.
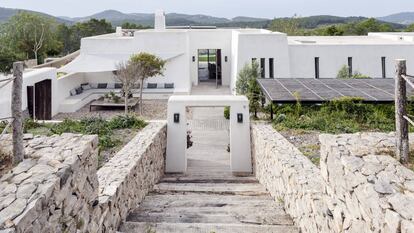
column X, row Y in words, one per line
column 32, row 36
column 295, row 26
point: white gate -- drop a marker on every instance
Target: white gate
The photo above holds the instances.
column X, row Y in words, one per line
column 240, row 151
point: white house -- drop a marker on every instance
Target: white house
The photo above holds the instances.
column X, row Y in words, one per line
column 198, row 55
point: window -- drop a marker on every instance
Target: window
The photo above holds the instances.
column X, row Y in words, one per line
column 263, row 67
column 316, row 67
column 350, row 70
column 384, row 70
column 271, row 67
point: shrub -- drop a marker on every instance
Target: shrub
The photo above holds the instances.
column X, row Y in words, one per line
column 227, row 113
column 126, row 121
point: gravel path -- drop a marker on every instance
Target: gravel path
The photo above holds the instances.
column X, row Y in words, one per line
column 153, row 110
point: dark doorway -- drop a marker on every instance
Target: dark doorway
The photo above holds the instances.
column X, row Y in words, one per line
column 43, row 100
column 30, row 100
column 209, row 66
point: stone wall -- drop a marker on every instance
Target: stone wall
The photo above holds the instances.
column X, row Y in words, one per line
column 290, row 178
column 128, row 177
column 359, row 187
column 373, row 192
column 58, row 188
column 54, row 188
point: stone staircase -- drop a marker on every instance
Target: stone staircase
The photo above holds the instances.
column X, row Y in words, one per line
column 183, row 204
column 208, row 198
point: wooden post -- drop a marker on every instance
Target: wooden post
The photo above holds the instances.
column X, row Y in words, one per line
column 16, row 108
column 401, row 124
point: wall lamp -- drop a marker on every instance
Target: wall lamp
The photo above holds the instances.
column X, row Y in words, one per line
column 194, row 59
column 239, row 117
column 176, row 118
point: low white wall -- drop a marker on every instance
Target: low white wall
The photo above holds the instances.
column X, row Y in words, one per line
column 30, row 77
column 64, row 85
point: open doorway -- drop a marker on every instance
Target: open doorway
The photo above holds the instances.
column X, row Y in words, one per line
column 208, row 135
column 209, row 66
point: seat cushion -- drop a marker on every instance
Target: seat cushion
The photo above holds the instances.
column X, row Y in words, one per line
column 110, row 86
column 118, row 85
column 102, row 85
column 152, row 85
column 86, row 87
column 79, row 90
column 73, row 92
column 169, row 85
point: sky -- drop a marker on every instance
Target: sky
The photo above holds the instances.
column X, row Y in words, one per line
column 220, row 8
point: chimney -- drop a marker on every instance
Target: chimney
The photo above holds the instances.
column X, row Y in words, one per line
column 159, row 20
column 118, row 31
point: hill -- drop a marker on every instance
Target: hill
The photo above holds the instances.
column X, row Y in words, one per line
column 7, row 13
column 400, row 18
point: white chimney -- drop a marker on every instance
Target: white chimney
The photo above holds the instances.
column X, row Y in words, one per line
column 159, row 20
column 118, row 31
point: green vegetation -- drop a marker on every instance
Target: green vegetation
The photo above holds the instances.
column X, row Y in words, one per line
column 88, row 126
column 334, row 26
column 344, row 73
column 227, row 113
column 247, row 85
column 344, row 115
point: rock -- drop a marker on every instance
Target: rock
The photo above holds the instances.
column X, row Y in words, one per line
column 407, row 226
column 402, row 204
column 26, row 190
column 392, row 221
column 383, row 187
column 12, row 211
column 24, row 166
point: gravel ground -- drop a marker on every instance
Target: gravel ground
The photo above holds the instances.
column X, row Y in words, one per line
column 306, row 141
column 153, row 110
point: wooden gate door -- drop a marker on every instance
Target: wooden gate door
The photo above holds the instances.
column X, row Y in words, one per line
column 43, row 100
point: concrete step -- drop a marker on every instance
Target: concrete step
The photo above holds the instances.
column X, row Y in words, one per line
column 247, row 189
column 133, row 227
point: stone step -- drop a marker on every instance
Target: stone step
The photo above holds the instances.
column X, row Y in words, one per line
column 212, row 179
column 134, row 227
column 247, row 189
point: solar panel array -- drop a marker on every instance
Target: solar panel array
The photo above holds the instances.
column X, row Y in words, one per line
column 322, row 90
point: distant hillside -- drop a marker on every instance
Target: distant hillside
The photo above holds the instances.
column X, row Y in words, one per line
column 7, row 13
column 400, row 18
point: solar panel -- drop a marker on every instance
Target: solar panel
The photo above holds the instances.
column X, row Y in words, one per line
column 322, row 90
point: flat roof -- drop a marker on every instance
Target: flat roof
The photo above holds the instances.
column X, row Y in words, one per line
column 285, row 90
column 343, row 40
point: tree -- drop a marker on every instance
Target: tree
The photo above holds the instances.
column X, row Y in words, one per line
column 128, row 25
column 126, row 73
column 290, row 26
column 247, row 85
column 31, row 34
column 146, row 66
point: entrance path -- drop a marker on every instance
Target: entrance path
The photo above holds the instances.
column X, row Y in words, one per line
column 209, row 88
column 208, row 198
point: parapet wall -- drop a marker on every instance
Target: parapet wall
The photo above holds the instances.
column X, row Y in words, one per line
column 359, row 187
column 58, row 188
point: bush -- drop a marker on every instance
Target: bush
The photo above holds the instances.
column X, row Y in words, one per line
column 227, row 113
column 126, row 121
column 344, row 115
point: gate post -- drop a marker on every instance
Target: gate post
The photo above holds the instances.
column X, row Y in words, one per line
column 401, row 124
column 16, row 107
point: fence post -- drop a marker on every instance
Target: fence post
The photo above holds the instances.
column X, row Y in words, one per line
column 16, row 107
column 401, row 124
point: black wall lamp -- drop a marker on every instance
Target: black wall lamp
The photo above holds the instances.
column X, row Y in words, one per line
column 176, row 118
column 239, row 117
column 193, row 58
column 226, row 59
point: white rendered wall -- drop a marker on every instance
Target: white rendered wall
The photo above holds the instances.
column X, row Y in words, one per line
column 365, row 58
column 240, row 151
column 162, row 43
column 264, row 45
column 29, row 79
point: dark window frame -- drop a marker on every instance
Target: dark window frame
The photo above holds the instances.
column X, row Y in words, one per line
column 317, row 69
column 263, row 67
column 271, row 68
column 384, row 67
column 350, row 67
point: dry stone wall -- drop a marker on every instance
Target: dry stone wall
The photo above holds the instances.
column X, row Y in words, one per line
column 58, row 188
column 291, row 178
column 54, row 188
column 359, row 187
column 372, row 191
